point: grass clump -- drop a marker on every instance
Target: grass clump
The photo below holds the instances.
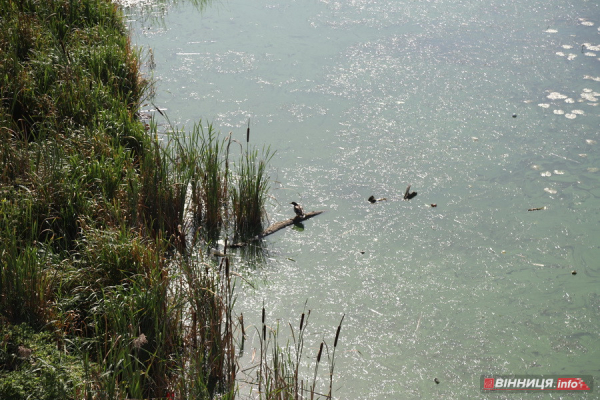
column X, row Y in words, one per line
column 92, row 207
column 33, row 367
column 249, row 194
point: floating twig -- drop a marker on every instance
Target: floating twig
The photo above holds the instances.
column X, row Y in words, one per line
column 564, row 158
column 418, row 324
column 536, row 209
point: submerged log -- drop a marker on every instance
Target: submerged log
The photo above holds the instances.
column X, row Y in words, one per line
column 277, row 226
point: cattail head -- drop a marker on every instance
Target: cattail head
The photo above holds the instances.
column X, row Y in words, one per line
column 241, row 318
column 263, row 324
column 248, row 132
column 140, row 341
column 337, row 333
column 301, row 321
column 320, row 352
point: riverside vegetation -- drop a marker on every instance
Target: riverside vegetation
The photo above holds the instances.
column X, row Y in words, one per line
column 105, row 291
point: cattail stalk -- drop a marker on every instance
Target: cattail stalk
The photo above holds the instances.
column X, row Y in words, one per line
column 332, row 366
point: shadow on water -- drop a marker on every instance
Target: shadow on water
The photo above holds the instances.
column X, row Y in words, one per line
column 254, row 255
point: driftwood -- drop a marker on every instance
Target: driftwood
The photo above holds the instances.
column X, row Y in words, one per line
column 277, row 227
column 537, row 208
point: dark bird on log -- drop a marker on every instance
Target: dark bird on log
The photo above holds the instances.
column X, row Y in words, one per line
column 298, row 209
column 408, row 194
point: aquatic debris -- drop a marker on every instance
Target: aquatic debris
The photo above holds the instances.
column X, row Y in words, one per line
column 547, row 173
column 544, row 105
column 559, row 172
column 593, row 169
column 536, row 208
column 577, row 112
column 551, row 191
column 372, row 199
column 551, row 31
column 559, row 112
column 408, row 194
column 570, row 116
column 433, row 205
column 437, row 381
column 573, row 272
column 590, row 141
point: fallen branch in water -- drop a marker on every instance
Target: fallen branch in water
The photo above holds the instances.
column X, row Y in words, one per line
column 277, row 227
column 537, row 208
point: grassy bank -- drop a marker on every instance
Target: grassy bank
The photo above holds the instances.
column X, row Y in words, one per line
column 104, row 289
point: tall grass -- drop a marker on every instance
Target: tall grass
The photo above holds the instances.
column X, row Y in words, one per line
column 208, row 363
column 103, row 221
column 24, row 281
column 249, row 193
column 209, row 193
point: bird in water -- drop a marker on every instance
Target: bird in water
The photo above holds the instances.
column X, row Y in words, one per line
column 298, row 209
column 408, row 194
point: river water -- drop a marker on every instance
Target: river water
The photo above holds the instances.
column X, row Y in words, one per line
column 488, row 108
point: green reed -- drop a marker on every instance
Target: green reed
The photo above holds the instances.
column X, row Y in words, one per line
column 208, row 361
column 210, row 181
column 276, row 374
column 249, row 193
